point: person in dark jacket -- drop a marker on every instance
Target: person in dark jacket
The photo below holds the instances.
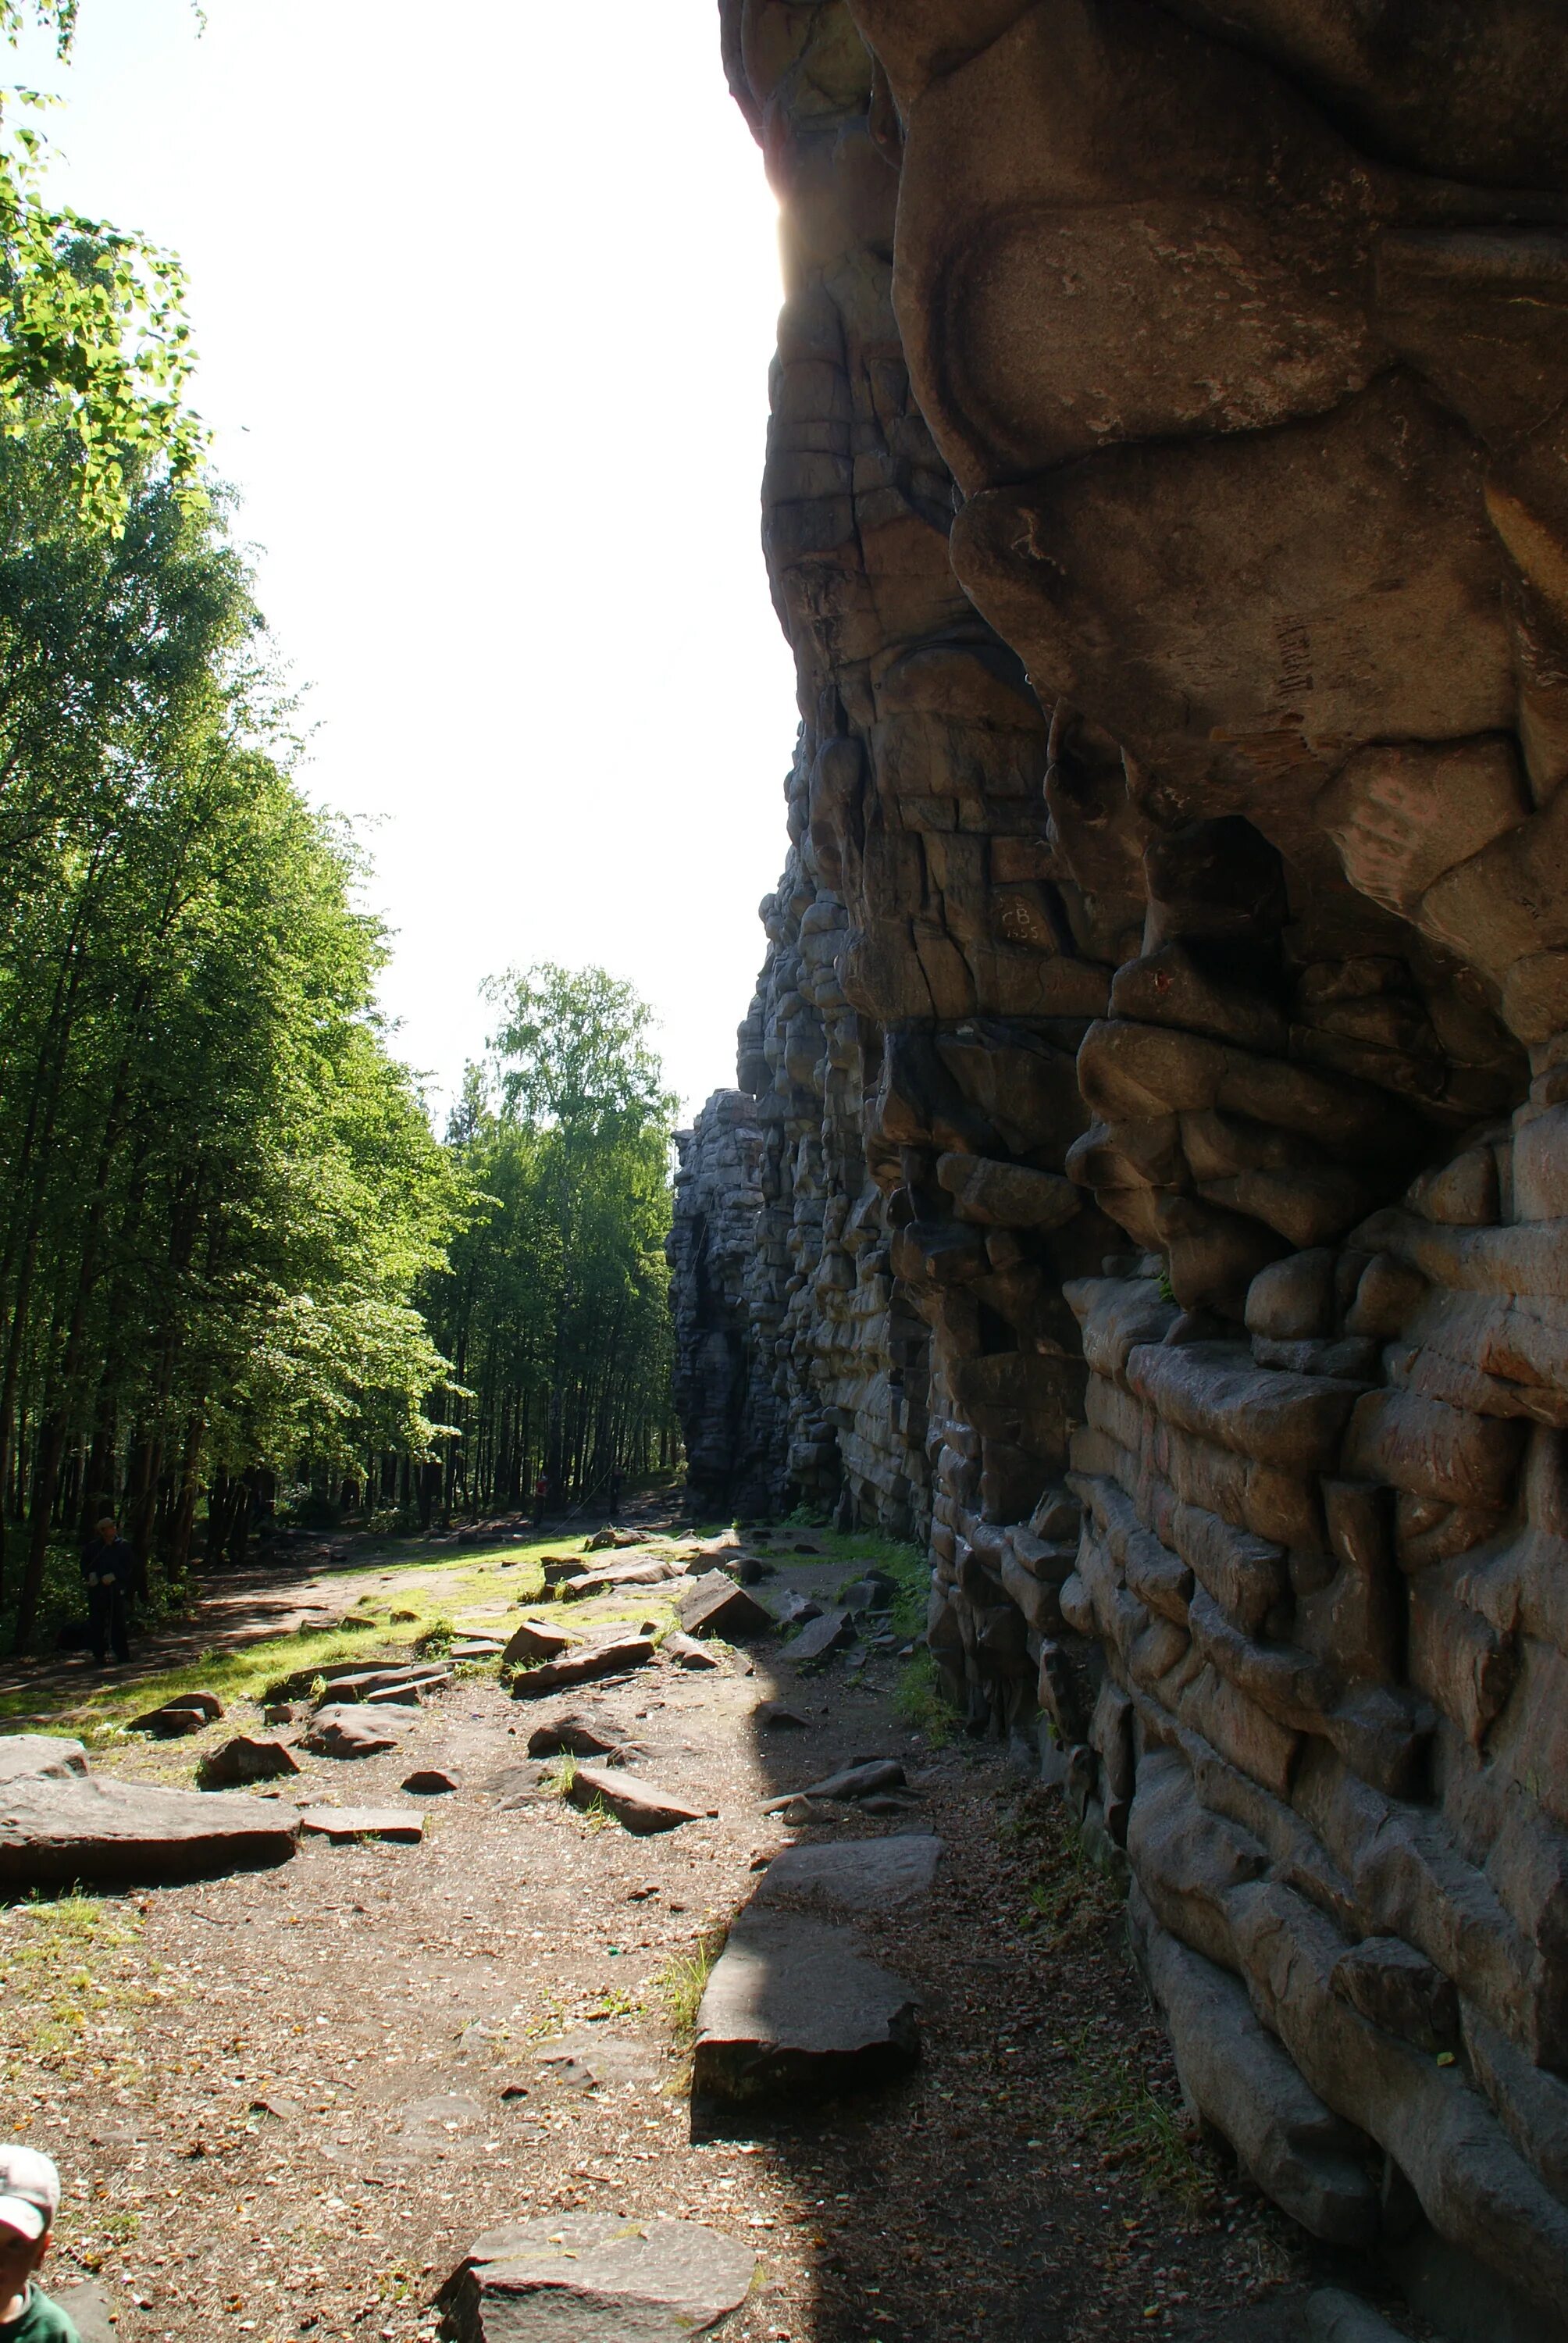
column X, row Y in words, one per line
column 108, row 1574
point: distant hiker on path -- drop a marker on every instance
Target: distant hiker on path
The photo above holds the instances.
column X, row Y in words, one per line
column 109, row 1574
column 541, row 1498
column 29, row 2200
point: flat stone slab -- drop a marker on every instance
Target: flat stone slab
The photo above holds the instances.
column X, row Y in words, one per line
column 477, row 1648
column 384, row 1682
column 34, row 1756
column 595, row 2277
column 1332, row 2316
column 851, row 1782
column 794, row 2009
column 362, row 1730
column 641, row 1806
column 654, row 1570
column 623, row 1652
column 336, row 1822
column 103, row 1833
column 864, row 1875
column 820, row 1637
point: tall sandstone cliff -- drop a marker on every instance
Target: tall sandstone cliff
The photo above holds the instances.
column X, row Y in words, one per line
column 1147, row 1180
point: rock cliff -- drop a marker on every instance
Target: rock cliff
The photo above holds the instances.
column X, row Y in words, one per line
column 1147, row 1180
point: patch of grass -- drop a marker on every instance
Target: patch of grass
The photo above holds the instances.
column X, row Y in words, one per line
column 562, row 1773
column 1133, row 2130
column 1071, row 1897
column 58, row 1972
column 681, row 1983
column 920, row 1700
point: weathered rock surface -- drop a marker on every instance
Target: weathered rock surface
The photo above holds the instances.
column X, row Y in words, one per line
column 640, row 1805
column 869, row 1874
column 364, row 1730
column 249, row 1757
column 861, row 1781
column 715, row 1605
column 56, row 1831
column 28, row 1756
column 1146, row 1178
column 831, row 1631
column 596, row 2275
column 793, row 2009
column 584, row 1736
column 339, row 1824
column 610, row 1658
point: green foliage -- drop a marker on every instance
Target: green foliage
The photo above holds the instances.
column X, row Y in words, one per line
column 919, row 1699
column 218, row 1191
column 91, row 324
column 554, row 1307
column 1133, row 2129
column 681, row 1983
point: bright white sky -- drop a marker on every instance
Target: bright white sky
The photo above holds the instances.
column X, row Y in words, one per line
column 485, row 296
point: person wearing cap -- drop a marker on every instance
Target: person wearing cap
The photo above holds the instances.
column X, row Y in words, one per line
column 108, row 1574
column 29, row 2200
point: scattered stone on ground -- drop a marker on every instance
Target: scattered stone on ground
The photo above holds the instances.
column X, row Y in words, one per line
column 593, row 2275
column 875, row 1591
column 793, row 2008
column 290, row 2078
column 860, row 1780
column 689, row 1653
column 792, row 1609
column 339, row 1823
column 1334, row 2316
column 244, row 1759
column 583, row 1737
column 714, row 1606
column 615, row 1657
column 362, row 1730
column 830, row 1631
column 93, row 1831
column 863, row 1874
column 427, row 1782
column 531, row 1639
column 31, row 1757
column 641, row 1806
column 476, row 1647
column 188, row 1714
column 402, row 1688
column 653, row 1570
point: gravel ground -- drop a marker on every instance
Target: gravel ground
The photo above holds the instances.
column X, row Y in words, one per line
column 285, row 2102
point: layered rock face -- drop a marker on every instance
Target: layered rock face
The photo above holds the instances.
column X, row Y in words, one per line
column 1157, row 1098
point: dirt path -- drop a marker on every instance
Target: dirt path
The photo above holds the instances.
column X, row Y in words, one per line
column 285, row 2102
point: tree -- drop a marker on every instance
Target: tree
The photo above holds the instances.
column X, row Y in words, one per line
column 554, row 1309
column 93, row 324
column 218, row 1191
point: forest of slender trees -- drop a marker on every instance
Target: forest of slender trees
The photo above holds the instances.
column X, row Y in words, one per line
column 238, row 1271
column 242, row 1280
column 554, row 1309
